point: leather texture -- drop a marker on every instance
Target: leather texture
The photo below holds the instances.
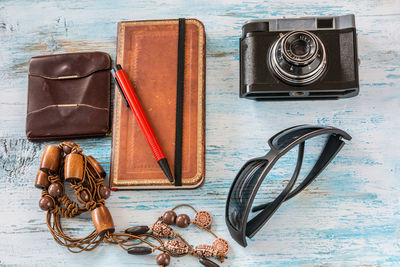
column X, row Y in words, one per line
column 148, row 52
column 68, row 96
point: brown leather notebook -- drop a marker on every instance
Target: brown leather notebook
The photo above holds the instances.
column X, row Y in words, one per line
column 148, row 52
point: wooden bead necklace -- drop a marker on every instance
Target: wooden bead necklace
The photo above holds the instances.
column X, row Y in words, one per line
column 86, row 176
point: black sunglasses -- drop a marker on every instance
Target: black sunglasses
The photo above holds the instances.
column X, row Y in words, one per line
column 247, row 182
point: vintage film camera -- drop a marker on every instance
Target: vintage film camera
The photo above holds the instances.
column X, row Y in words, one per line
column 299, row 58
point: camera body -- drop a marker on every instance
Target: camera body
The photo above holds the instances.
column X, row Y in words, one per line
column 299, row 58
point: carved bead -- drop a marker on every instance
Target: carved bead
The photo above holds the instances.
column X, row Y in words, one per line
column 42, row 182
column 68, row 149
column 208, row 263
column 182, row 221
column 163, row 259
column 162, row 230
column 169, row 217
column 102, row 220
column 55, row 190
column 104, row 191
column 176, row 246
column 137, row 230
column 46, row 203
column 221, row 246
column 96, row 166
column 140, row 250
column 50, row 159
column 205, row 251
column 73, row 167
column 84, row 196
column 203, row 219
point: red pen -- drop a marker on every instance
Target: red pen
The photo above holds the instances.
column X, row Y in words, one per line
column 132, row 101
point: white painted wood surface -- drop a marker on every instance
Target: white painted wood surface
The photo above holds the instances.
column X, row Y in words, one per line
column 348, row 216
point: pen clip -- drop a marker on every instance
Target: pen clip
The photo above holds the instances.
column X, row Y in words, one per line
column 119, row 87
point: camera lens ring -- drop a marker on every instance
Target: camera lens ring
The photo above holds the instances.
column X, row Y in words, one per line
column 297, row 69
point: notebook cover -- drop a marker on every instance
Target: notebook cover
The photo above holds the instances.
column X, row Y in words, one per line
column 148, row 52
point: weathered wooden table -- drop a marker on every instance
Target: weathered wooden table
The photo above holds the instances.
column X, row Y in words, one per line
column 350, row 214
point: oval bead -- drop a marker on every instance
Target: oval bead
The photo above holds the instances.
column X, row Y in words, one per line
column 68, row 145
column 205, row 251
column 140, row 250
column 176, row 246
column 207, row 262
column 137, row 230
column 162, row 230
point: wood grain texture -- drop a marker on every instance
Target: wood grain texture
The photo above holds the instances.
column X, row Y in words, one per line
column 348, row 216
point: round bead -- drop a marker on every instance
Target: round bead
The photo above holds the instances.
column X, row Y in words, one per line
column 68, row 149
column 55, row 190
column 105, row 192
column 169, row 217
column 221, row 246
column 203, row 219
column 182, row 221
column 84, row 196
column 163, row 259
column 46, row 203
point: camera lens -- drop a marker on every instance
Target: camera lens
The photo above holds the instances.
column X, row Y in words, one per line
column 300, row 48
column 298, row 57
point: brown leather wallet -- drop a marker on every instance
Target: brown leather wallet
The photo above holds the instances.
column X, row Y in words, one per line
column 68, row 96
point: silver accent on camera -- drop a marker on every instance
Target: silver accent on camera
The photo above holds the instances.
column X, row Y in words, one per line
column 312, row 62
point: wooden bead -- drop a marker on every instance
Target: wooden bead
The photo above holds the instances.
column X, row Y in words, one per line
column 68, row 148
column 162, row 230
column 50, row 159
column 208, row 263
column 182, row 221
column 96, row 166
column 104, row 191
column 73, row 167
column 84, row 196
column 205, row 251
column 42, row 182
column 55, row 190
column 176, row 246
column 163, row 259
column 169, row 217
column 102, row 220
column 203, row 219
column 137, row 230
column 46, row 203
column 221, row 246
column 140, row 250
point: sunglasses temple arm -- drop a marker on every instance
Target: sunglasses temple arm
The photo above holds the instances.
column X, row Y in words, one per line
column 294, row 176
column 260, row 219
column 332, row 147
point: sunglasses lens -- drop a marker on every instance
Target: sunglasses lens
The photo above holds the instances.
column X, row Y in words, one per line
column 286, row 137
column 241, row 191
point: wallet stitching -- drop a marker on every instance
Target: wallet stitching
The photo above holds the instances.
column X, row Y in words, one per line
column 65, row 105
column 67, row 77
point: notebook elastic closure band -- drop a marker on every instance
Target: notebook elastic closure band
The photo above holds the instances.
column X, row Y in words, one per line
column 179, row 103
